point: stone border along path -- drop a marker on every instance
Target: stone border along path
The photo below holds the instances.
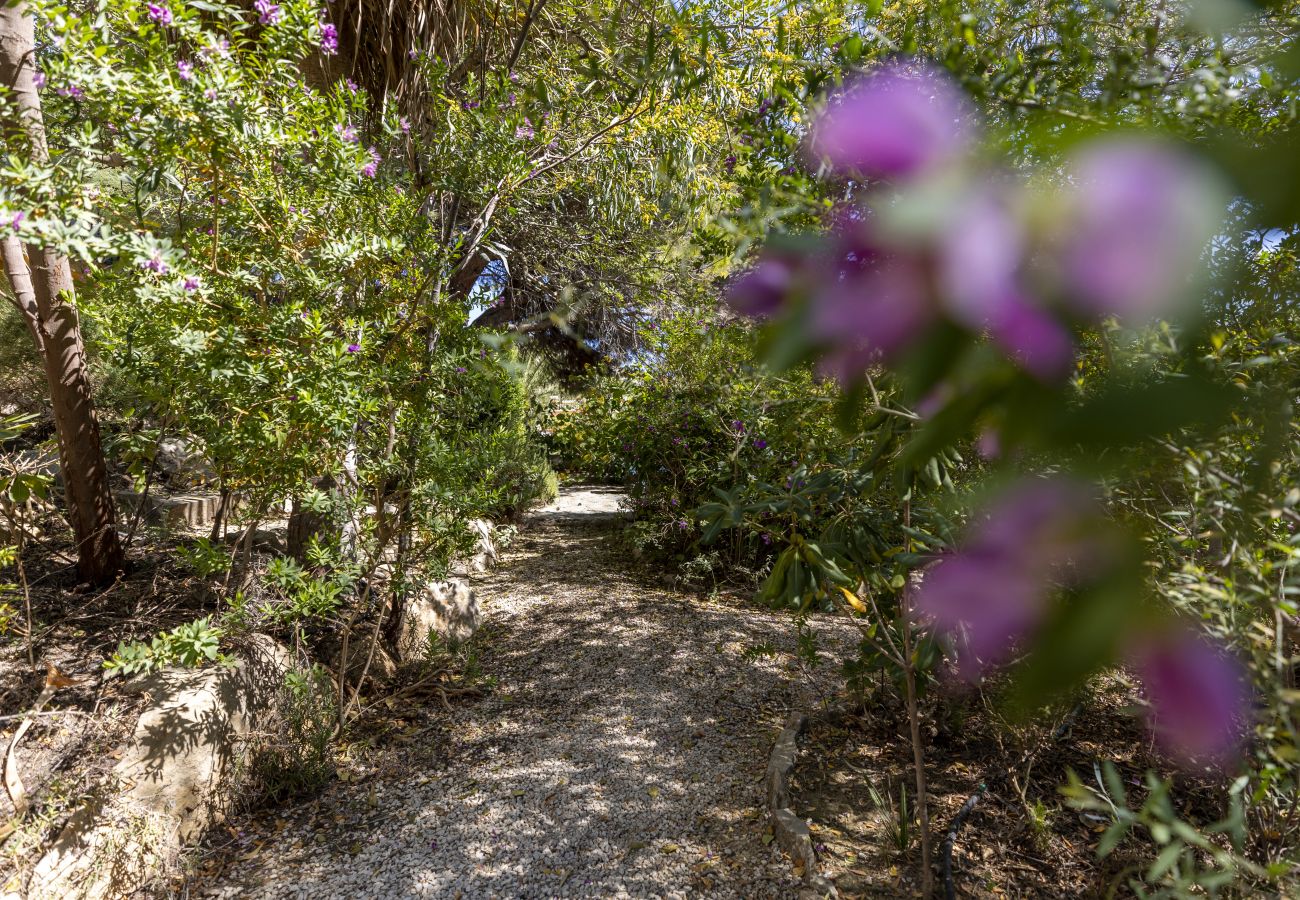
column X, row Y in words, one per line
column 621, row 753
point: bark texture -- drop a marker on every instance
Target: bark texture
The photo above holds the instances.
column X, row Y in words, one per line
column 44, row 293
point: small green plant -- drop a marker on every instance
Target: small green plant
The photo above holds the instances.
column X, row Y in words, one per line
column 188, row 645
column 204, row 558
column 898, row 819
column 1191, row 860
column 1040, row 823
column 298, row 760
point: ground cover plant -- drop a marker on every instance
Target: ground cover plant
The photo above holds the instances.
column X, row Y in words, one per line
column 964, row 328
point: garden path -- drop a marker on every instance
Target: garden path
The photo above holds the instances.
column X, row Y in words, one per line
column 619, row 754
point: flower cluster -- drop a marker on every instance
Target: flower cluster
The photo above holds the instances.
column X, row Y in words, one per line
column 937, row 239
column 268, row 13
column 995, row 592
column 329, row 39
column 160, row 13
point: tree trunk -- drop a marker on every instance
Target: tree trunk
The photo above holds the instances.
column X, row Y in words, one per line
column 42, row 284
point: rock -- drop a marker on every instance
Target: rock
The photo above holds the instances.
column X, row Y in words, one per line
column 181, row 465
column 192, row 511
column 176, row 777
column 449, row 609
column 485, row 551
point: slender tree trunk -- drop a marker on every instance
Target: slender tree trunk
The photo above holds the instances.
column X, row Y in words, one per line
column 42, row 285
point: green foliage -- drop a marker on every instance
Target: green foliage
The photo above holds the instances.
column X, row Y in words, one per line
column 204, row 558
column 189, row 646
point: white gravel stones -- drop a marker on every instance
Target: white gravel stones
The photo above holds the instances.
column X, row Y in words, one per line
column 621, row 753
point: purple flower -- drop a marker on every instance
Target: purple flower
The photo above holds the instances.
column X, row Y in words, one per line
column 412, row 54
column 329, row 38
column 38, row 79
column 461, row 370
column 352, row 85
column 1199, row 696
column 763, row 290
column 155, row 264
column 72, row 91
column 1141, row 217
column 17, row 220
column 160, row 13
column 994, row 590
column 760, row 444
column 405, row 125
column 524, row 131
column 267, row 12
column 372, row 167
column 347, row 133
column 210, row 93
column 738, row 426
column 185, row 69
column 898, row 121
column 873, row 302
column 191, row 283
column 354, row 348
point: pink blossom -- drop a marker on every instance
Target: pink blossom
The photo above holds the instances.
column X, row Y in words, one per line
column 994, row 590
column 764, row 289
column 1199, row 696
column 160, row 13
column 403, row 124
column 1141, row 215
column 17, row 220
column 898, row 121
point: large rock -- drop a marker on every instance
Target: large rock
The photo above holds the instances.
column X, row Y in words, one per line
column 449, row 609
column 181, row 465
column 176, row 777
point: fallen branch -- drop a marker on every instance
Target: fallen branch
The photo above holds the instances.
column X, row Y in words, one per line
column 54, row 679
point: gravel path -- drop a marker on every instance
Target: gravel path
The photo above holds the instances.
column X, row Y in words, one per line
column 620, row 754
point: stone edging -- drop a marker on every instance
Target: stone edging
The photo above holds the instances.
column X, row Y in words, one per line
column 790, row 831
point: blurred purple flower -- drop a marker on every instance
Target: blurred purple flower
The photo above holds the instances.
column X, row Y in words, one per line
column 1141, row 216
column 17, row 220
column 160, row 13
column 347, row 133
column 191, row 283
column 738, row 426
column 729, row 163
column 461, row 369
column 994, row 590
column 185, row 69
column 1199, row 696
column 72, row 91
column 267, row 12
column 354, row 348
column 760, row 444
column 38, row 79
column 405, row 125
column 210, row 93
column 352, row 86
column 875, row 304
column 898, row 121
column 525, row 131
column 329, row 39
column 763, row 290
column 155, row 264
